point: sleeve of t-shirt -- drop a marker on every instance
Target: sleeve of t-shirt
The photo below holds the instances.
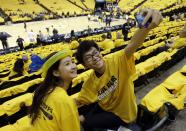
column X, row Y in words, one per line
column 121, row 57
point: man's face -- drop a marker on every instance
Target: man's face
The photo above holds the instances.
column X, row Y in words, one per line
column 93, row 60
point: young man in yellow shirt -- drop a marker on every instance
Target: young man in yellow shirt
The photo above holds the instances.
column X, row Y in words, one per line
column 110, row 80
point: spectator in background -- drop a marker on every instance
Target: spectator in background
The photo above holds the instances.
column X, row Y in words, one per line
column 108, row 20
column 17, row 70
column 179, row 41
column 25, row 26
column 109, row 35
column 125, row 30
column 3, row 39
column 55, row 37
column 20, row 42
column 4, row 43
column 118, row 35
column 38, row 40
column 36, row 64
column 89, row 30
column 48, row 30
column 126, row 16
column 132, row 23
column 41, row 35
column 175, row 17
column 54, row 31
column 31, row 36
column 72, row 34
column 88, row 17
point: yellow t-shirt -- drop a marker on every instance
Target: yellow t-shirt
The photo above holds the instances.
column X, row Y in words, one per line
column 22, row 124
column 107, row 44
column 119, row 42
column 179, row 42
column 74, row 44
column 8, row 128
column 114, row 90
column 155, row 99
column 58, row 113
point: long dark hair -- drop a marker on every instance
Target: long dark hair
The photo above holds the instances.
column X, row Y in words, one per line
column 47, row 86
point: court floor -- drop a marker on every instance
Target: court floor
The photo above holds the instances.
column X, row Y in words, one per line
column 64, row 25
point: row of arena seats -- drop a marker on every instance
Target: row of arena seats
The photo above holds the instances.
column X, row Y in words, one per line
column 20, row 80
column 154, row 4
column 138, row 55
column 164, row 101
column 90, row 4
column 145, row 68
column 175, row 7
column 45, row 50
column 17, row 90
column 153, row 67
column 165, row 7
column 62, row 6
column 126, row 5
column 143, row 54
column 165, row 27
column 79, row 3
column 18, row 11
column 6, row 60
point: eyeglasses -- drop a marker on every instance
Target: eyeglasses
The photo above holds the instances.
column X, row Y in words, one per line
column 89, row 57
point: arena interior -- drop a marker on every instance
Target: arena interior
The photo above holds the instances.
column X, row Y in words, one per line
column 36, row 28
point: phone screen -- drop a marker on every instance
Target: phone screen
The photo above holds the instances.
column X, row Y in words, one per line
column 139, row 18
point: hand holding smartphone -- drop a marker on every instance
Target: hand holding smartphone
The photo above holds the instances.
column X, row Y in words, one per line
column 140, row 18
column 148, row 18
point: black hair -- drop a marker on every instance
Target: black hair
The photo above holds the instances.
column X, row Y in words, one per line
column 47, row 86
column 103, row 36
column 109, row 35
column 18, row 66
column 83, row 47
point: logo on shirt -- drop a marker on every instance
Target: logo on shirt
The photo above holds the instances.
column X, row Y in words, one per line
column 108, row 88
column 47, row 111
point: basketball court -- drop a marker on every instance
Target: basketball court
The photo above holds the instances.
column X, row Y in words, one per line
column 63, row 26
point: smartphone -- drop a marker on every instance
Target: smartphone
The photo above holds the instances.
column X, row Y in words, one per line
column 140, row 18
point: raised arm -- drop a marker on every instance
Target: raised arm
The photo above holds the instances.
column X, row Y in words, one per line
column 141, row 33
